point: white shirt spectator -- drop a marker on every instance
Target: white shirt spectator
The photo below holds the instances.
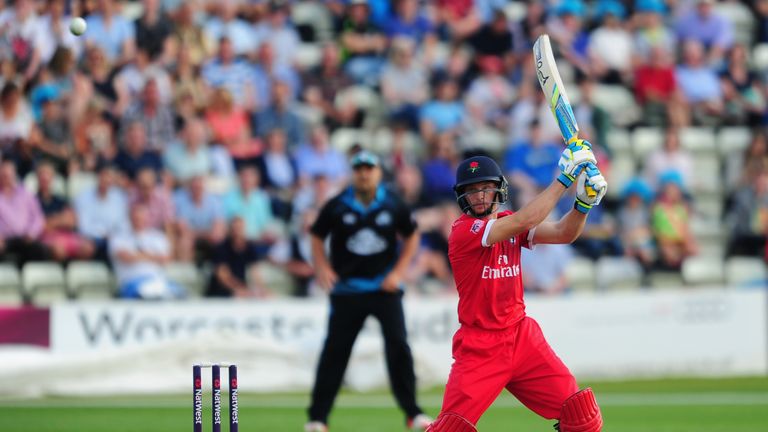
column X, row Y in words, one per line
column 150, row 241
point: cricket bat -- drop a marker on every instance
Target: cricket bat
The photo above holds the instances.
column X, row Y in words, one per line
column 554, row 91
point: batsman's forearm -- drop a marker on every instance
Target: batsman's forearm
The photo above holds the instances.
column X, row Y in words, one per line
column 572, row 225
column 528, row 217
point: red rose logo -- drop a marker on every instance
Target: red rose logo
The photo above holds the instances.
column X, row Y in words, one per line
column 474, row 166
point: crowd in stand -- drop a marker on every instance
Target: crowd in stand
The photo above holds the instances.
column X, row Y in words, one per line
column 212, row 131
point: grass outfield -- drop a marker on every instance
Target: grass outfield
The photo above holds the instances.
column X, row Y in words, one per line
column 717, row 405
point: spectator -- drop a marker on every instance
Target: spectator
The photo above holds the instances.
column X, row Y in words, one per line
column 139, row 256
column 153, row 28
column 671, row 157
column 54, row 32
column 634, row 220
column 276, row 30
column 530, row 26
column 189, row 157
column 111, row 32
column 657, row 91
column 409, row 183
column 281, row 113
column 234, row 262
column 456, row 20
column 60, row 234
column 363, row 43
column 188, row 36
column 699, row 84
column 16, row 125
column 21, row 220
column 231, row 73
column 279, row 170
column 566, row 28
column 230, row 128
column 225, row 24
column 741, row 169
column 747, row 218
column 199, row 219
column 93, row 137
column 146, row 192
column 544, row 270
column 248, row 201
column 439, row 168
column 55, row 143
column 190, row 93
column 594, row 121
column 135, row 156
column 670, row 221
column 702, row 24
column 408, row 22
column 431, row 260
column 266, row 72
column 743, row 91
column 651, row 32
column 495, row 39
column 20, row 37
column 133, row 77
column 404, row 83
column 610, row 47
column 760, row 12
column 322, row 85
column 443, row 114
column 102, row 211
column 529, row 164
column 313, row 194
column 101, row 83
column 294, row 255
column 154, row 114
column 490, row 95
column 318, row 157
column 600, row 236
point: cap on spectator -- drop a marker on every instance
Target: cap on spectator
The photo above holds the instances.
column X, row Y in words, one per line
column 671, row 176
column 654, row 6
column 610, row 7
column 571, row 7
column 364, row 157
column 637, row 187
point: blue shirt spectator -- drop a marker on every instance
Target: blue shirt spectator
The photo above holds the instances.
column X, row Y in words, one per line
column 318, row 157
column 280, row 115
column 189, row 157
column 102, row 210
column 134, row 155
column 407, row 21
column 233, row 74
column 706, row 26
column 536, row 160
column 236, row 30
column 201, row 215
column 111, row 32
column 249, row 202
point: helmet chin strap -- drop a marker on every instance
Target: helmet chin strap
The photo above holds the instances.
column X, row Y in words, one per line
column 493, row 205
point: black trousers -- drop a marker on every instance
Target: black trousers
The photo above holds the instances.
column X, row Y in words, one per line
column 348, row 314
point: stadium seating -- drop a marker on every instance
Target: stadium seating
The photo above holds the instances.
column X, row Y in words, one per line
column 733, row 139
column 703, row 270
column 188, row 276
column 43, row 282
column 10, row 285
column 665, row 279
column 698, row 140
column 581, row 274
column 645, row 140
column 618, row 273
column 746, row 272
column 80, row 181
column 89, row 280
column 623, row 168
column 618, row 102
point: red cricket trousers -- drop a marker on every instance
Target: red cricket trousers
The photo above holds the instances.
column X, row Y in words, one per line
column 518, row 359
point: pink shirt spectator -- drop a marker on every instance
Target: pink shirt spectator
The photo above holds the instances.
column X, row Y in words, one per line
column 20, row 214
column 160, row 210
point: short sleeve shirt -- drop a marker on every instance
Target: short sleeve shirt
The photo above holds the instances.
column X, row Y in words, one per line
column 488, row 277
column 363, row 240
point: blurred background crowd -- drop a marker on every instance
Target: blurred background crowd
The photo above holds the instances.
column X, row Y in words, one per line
column 196, row 140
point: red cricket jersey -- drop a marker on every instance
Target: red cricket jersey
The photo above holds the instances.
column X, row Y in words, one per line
column 488, row 278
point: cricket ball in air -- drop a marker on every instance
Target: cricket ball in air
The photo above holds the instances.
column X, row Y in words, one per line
column 77, row 26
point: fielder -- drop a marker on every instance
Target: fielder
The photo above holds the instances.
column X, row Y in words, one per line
column 497, row 346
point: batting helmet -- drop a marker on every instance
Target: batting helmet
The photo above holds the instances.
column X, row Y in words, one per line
column 475, row 170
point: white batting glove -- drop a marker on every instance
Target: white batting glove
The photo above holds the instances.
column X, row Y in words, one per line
column 572, row 161
column 590, row 188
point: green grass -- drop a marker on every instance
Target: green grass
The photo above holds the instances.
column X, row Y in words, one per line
column 674, row 405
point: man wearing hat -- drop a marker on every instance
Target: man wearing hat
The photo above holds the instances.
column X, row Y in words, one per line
column 373, row 237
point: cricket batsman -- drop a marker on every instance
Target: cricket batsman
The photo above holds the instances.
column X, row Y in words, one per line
column 497, row 346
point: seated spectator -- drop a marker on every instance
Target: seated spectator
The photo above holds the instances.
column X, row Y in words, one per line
column 707, row 27
column 443, row 114
column 742, row 168
column 250, row 202
column 671, row 157
column 313, row 194
column 103, row 210
column 318, row 157
column 135, row 156
column 600, row 236
column 281, row 113
column 16, row 127
column 230, row 128
column 225, row 23
column 294, row 255
column 189, row 36
column 199, row 219
column 407, row 21
column 277, row 31
column 651, row 31
column 634, row 219
column 279, row 170
column 94, row 138
column 110, row 31
column 323, row 83
column 700, row 85
column 490, row 95
column 747, row 218
column 594, row 122
column 362, row 42
column 55, row 141
column 670, row 221
column 138, row 257
column 189, row 157
column 495, row 38
column 155, row 114
column 657, row 91
column 21, row 39
column 431, row 260
column 59, row 35
column 267, row 71
column 742, row 90
column 404, row 84
column 530, row 164
column 155, row 197
column 610, row 46
column 233, row 263
column 409, row 184
column 439, row 168
column 228, row 72
column 153, row 28
column 134, row 76
column 60, row 234
column 21, row 220
column 544, row 270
